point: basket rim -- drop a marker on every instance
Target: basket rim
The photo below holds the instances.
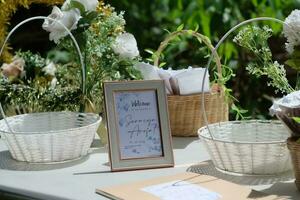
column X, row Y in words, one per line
column 204, row 128
column 98, row 120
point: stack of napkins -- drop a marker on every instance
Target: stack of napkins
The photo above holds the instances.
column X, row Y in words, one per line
column 177, row 82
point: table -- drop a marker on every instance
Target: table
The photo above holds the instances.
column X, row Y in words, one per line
column 78, row 179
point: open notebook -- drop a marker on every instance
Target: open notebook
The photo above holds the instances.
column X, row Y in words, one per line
column 184, row 186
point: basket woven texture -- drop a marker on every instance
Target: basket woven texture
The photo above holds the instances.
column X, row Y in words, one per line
column 185, row 112
column 294, row 148
column 51, row 136
column 248, row 147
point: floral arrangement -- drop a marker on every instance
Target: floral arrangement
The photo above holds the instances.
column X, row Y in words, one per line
column 255, row 39
column 8, row 8
column 109, row 54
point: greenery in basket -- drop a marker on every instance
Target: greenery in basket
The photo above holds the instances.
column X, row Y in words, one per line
column 255, row 39
column 109, row 54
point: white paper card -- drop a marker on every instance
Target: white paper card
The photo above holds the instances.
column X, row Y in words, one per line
column 181, row 190
column 139, row 128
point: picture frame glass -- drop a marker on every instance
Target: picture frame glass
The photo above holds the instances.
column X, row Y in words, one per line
column 138, row 124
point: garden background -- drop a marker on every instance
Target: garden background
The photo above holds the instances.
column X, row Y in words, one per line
column 150, row 21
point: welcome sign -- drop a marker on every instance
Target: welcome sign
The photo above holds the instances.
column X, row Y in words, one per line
column 138, row 121
column 138, row 125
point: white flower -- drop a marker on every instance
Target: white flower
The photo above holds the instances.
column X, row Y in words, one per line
column 68, row 18
column 89, row 5
column 291, row 30
column 50, row 69
column 126, row 46
column 53, row 83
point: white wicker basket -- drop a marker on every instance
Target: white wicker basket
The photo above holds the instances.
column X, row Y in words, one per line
column 248, row 147
column 50, row 137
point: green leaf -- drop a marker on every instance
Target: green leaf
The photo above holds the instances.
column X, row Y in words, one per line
column 167, row 30
column 78, row 5
column 293, row 63
column 149, row 51
column 162, row 64
column 296, row 53
column 254, row 2
column 190, row 32
column 197, row 27
column 179, row 28
column 90, row 16
column 297, row 119
column 200, row 40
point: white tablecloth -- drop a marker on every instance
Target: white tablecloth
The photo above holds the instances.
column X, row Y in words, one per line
column 80, row 178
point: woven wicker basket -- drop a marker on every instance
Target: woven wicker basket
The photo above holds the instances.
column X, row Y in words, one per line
column 51, row 136
column 294, row 148
column 185, row 112
column 248, row 147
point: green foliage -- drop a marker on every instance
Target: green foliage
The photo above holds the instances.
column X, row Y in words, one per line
column 294, row 60
column 96, row 35
column 33, row 64
column 34, row 91
column 255, row 39
column 296, row 119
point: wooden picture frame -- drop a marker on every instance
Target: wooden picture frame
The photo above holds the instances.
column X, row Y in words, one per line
column 138, row 126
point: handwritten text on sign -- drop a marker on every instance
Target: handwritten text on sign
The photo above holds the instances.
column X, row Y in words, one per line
column 139, row 128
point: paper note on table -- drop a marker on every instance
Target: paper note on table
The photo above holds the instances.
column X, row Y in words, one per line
column 181, row 190
column 192, row 186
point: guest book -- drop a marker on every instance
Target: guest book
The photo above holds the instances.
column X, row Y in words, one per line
column 184, row 186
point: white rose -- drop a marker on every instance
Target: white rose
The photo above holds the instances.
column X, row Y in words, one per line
column 126, row 46
column 89, row 5
column 68, row 18
column 50, row 69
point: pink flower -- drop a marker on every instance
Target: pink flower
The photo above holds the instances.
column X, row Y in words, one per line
column 13, row 69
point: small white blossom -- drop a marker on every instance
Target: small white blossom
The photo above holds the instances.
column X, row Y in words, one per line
column 126, row 46
column 50, row 69
column 68, row 18
column 291, row 30
column 53, row 83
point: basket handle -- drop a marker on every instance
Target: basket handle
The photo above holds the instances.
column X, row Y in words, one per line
column 214, row 53
column 210, row 60
column 201, row 38
column 83, row 79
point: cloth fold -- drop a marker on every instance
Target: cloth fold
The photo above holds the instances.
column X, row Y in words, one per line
column 177, row 82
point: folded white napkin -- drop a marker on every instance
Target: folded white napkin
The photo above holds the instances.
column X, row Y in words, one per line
column 190, row 82
column 149, row 72
column 177, row 82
